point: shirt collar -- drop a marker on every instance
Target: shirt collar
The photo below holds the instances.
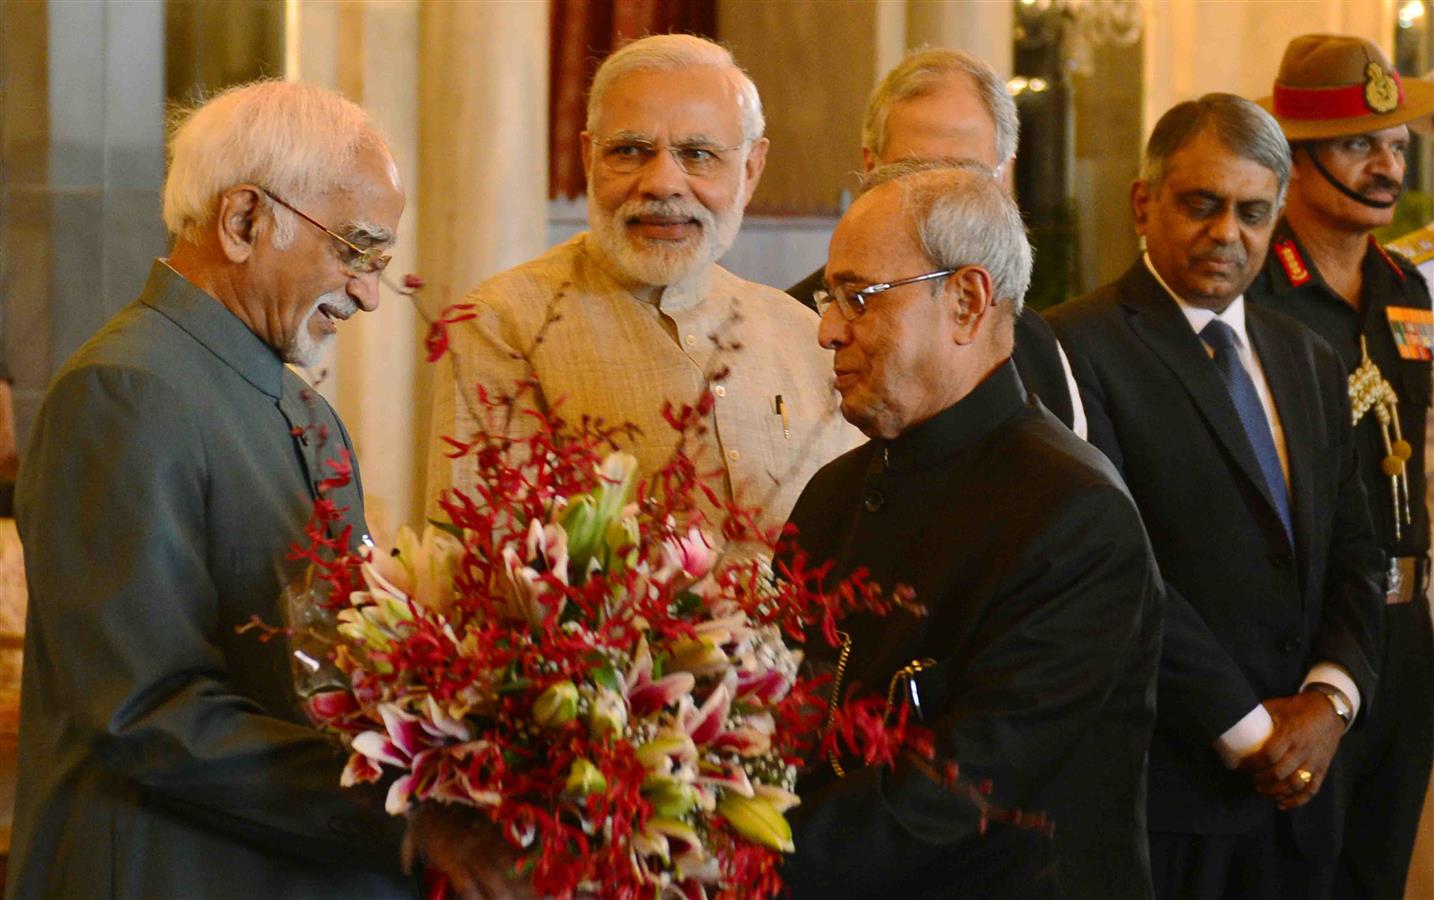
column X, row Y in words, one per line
column 210, row 323
column 969, row 419
column 678, row 295
column 1198, row 317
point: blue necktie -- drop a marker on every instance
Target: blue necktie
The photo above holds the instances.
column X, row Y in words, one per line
column 1221, row 338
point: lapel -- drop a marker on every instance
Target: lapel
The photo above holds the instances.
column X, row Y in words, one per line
column 1295, row 403
column 1157, row 321
column 313, row 435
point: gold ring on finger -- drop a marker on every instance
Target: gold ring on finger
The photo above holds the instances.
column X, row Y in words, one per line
column 1305, row 775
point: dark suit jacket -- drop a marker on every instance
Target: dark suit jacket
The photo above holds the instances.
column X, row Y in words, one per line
column 1246, row 614
column 161, row 753
column 1043, row 621
column 1034, row 353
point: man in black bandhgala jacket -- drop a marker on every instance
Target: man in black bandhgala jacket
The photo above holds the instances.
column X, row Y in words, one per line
column 1038, row 650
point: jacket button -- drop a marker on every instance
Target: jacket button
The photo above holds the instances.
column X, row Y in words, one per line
column 1290, row 645
column 872, row 501
column 1281, row 559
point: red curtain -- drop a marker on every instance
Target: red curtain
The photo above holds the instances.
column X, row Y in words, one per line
column 582, row 33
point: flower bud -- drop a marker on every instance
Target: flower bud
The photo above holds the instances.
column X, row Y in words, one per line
column 609, row 714
column 557, row 706
column 584, row 778
column 670, row 798
column 757, row 820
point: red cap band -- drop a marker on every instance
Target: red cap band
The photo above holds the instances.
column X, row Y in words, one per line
column 1326, row 103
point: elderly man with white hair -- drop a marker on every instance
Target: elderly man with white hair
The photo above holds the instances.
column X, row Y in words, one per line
column 174, row 462
column 1034, row 663
column 636, row 313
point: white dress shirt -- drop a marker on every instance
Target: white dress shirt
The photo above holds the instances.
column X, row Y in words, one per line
column 1247, row 735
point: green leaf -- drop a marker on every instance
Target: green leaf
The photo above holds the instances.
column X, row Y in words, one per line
column 515, row 685
column 448, row 527
column 688, row 603
column 606, row 676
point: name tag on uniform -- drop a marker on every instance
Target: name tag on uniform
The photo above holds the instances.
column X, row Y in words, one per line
column 1413, row 331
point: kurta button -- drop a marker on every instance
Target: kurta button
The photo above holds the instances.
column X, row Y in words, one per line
column 872, row 501
column 720, row 391
column 1281, row 559
column 1290, row 645
column 692, row 340
column 733, row 455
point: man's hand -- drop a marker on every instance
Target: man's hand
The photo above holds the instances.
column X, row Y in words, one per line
column 1306, row 735
column 466, row 848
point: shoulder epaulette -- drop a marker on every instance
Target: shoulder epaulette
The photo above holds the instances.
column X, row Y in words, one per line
column 1290, row 260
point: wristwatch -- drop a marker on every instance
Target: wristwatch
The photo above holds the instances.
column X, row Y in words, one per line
column 1342, row 707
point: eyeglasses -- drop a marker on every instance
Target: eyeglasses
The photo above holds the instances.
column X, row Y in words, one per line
column 627, row 155
column 357, row 260
column 853, row 303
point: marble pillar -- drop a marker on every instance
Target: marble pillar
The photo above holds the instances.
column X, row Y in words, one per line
column 460, row 91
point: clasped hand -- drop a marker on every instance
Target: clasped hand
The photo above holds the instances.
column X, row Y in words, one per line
column 1291, row 764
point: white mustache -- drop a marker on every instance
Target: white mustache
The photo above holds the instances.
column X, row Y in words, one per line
column 667, row 209
column 339, row 302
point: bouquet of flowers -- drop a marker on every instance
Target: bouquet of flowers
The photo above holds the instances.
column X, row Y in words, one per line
column 572, row 657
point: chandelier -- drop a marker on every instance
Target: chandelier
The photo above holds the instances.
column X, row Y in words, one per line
column 1077, row 27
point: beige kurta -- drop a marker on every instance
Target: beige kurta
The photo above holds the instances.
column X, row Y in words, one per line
column 612, row 356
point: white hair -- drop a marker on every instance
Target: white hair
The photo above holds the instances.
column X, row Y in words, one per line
column 297, row 140
column 964, row 217
column 925, row 71
column 669, row 53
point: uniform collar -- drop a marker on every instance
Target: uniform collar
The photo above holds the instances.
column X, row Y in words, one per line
column 207, row 321
column 969, row 419
column 676, row 296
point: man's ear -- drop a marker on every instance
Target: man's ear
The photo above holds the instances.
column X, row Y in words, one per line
column 1140, row 205
column 756, row 162
column 968, row 298
column 868, row 159
column 236, row 222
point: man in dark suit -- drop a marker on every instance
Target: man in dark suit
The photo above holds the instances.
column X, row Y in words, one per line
column 1232, row 428
column 1373, row 307
column 174, row 462
column 1034, row 665
column 941, row 104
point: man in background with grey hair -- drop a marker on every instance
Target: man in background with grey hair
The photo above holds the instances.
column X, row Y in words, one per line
column 1231, row 426
column 636, row 313
column 1033, row 664
column 174, row 463
column 947, row 105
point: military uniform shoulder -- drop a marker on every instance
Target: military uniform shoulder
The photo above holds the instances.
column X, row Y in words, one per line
column 1402, row 267
column 1285, row 267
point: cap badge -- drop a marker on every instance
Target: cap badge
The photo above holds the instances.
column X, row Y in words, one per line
column 1381, row 93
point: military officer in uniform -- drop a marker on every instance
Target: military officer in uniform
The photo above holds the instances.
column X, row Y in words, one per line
column 1345, row 112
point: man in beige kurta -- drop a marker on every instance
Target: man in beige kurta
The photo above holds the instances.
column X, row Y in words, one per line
column 636, row 313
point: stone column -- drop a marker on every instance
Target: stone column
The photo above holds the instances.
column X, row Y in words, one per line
column 483, row 131
column 369, row 52
column 980, row 27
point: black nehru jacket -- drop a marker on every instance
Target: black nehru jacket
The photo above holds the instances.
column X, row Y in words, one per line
column 1042, row 601
column 1035, row 353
